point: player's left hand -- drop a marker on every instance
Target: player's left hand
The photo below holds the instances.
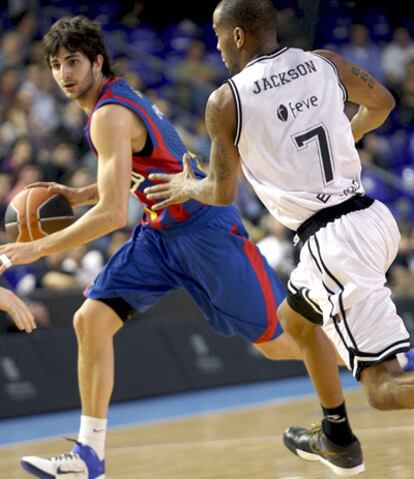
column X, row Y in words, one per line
column 17, row 253
column 174, row 189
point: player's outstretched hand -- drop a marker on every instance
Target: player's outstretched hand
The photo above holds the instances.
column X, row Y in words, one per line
column 71, row 194
column 173, row 189
column 17, row 310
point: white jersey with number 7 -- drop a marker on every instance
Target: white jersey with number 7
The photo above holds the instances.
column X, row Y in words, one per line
column 294, row 139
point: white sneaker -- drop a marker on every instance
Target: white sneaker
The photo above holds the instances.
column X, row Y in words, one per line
column 81, row 463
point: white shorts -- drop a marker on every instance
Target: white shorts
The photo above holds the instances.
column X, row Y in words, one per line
column 340, row 282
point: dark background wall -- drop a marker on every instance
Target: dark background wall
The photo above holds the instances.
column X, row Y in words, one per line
column 169, row 349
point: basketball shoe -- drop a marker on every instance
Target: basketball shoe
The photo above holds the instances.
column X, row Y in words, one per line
column 313, row 445
column 81, row 463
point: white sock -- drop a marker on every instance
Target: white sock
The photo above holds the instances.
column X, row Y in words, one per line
column 92, row 432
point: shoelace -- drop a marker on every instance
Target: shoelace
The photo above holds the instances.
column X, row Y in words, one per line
column 63, row 457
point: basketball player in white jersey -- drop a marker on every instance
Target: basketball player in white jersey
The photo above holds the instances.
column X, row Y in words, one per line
column 281, row 116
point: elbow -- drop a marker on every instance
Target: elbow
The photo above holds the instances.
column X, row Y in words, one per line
column 121, row 220
column 389, row 103
column 117, row 220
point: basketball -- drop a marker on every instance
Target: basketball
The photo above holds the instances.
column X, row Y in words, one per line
column 35, row 213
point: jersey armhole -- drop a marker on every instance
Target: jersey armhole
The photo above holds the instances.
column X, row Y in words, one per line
column 116, row 101
column 333, row 66
column 237, row 101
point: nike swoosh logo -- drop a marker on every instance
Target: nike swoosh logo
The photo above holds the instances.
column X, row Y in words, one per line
column 60, row 471
column 98, row 430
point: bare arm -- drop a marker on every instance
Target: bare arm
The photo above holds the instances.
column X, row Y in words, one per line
column 220, row 186
column 111, row 131
column 375, row 101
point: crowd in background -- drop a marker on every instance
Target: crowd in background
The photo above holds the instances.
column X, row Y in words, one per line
column 176, row 65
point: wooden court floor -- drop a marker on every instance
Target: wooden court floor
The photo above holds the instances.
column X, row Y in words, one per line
column 241, row 444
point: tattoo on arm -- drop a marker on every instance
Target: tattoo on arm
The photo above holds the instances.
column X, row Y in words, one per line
column 219, row 166
column 368, row 80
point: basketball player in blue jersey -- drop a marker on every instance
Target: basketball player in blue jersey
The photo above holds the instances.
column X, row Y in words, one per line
column 281, row 118
column 202, row 248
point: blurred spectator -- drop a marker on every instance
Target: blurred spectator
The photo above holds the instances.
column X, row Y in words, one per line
column 200, row 141
column 9, row 82
column 22, row 153
column 84, row 264
column 44, row 108
column 12, row 51
column 195, row 78
column 363, row 52
column 396, row 55
column 276, row 247
column 72, row 121
column 30, row 173
column 61, row 164
column 403, row 114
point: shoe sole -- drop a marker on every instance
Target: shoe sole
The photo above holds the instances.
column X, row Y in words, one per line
column 43, row 475
column 339, row 471
column 34, row 470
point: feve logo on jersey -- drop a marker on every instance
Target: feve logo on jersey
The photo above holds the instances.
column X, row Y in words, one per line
column 282, row 113
column 297, row 107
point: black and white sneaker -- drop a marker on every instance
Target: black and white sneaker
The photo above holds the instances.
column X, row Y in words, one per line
column 313, row 445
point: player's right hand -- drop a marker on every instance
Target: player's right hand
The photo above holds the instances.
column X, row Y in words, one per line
column 17, row 310
column 71, row 194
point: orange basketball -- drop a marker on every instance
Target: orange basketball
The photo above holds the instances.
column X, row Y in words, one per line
column 35, row 213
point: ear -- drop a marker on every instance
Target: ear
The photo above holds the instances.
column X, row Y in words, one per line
column 99, row 62
column 239, row 37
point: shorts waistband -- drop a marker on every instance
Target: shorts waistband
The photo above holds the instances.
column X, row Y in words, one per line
column 320, row 219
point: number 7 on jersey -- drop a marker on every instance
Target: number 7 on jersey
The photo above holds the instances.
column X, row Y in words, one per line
column 319, row 135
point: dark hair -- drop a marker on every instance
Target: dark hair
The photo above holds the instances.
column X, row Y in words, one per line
column 257, row 17
column 78, row 34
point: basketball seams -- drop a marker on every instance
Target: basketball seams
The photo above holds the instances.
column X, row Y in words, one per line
column 37, row 212
column 27, row 214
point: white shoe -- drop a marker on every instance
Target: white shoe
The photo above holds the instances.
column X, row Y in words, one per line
column 81, row 463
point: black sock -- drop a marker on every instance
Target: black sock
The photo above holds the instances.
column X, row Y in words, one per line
column 336, row 426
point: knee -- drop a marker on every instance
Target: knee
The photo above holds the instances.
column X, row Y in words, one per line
column 85, row 327
column 378, row 400
column 80, row 323
column 294, row 324
column 380, row 391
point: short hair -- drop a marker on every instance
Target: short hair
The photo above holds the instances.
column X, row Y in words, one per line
column 78, row 34
column 255, row 16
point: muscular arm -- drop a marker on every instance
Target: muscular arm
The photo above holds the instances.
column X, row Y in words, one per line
column 375, row 101
column 111, row 134
column 220, row 186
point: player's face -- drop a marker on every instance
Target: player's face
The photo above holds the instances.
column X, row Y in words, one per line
column 226, row 45
column 73, row 72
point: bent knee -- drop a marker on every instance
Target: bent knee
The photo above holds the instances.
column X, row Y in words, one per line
column 380, row 401
column 380, row 388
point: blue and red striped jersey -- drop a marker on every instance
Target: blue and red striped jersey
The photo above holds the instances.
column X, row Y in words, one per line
column 162, row 153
